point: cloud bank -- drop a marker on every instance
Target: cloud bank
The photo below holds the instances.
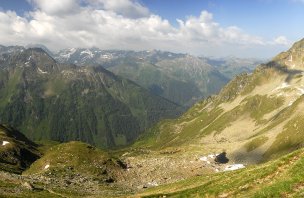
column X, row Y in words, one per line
column 126, row 24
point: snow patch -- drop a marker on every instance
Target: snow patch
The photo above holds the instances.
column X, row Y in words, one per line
column 280, row 94
column 88, row 52
column 68, row 53
column 204, row 158
column 43, row 72
column 106, row 56
column 46, row 166
column 83, row 70
column 5, row 143
column 290, row 58
column 234, row 167
column 282, row 86
column 153, row 183
column 212, row 156
column 208, row 158
column 301, row 90
column 290, row 103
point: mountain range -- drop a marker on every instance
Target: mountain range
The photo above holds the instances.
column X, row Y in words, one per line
column 118, row 94
column 181, row 78
column 255, row 122
column 62, row 102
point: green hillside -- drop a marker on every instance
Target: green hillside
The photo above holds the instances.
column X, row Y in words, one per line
column 51, row 101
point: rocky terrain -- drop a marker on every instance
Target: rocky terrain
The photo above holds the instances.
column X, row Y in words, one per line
column 77, row 169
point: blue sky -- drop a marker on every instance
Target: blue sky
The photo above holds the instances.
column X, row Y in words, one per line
column 267, row 18
column 246, row 28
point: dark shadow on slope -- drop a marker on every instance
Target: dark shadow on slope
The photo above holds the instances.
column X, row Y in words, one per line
column 291, row 73
column 254, row 157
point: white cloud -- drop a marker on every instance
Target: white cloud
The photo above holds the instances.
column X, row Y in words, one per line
column 281, row 40
column 203, row 28
column 55, row 7
column 124, row 24
column 127, row 8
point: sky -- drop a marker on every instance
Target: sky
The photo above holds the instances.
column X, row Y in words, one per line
column 218, row 28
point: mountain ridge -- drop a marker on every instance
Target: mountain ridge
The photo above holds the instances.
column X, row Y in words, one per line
column 160, row 72
column 38, row 88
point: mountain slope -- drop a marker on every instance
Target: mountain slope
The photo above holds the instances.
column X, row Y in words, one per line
column 16, row 151
column 47, row 100
column 255, row 117
column 181, row 78
column 279, row 178
column 76, row 169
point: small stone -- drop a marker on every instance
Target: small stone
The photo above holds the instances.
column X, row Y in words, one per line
column 28, row 186
column 224, row 195
column 68, row 182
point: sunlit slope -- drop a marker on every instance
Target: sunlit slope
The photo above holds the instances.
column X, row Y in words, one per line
column 255, row 117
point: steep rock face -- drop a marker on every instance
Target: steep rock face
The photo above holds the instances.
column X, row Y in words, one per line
column 254, row 118
column 181, row 78
column 16, row 151
column 48, row 100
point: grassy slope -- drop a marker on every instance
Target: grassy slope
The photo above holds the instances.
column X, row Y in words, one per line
column 249, row 99
column 83, row 158
column 207, row 116
column 279, row 178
